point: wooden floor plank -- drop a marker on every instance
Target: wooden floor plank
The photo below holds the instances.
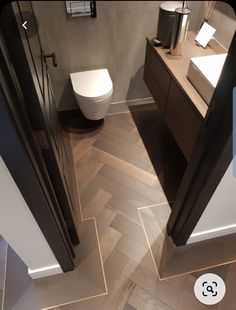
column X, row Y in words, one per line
column 114, row 140
column 123, row 208
column 90, row 190
column 98, row 202
column 142, row 300
column 136, row 252
column 127, row 168
column 89, row 166
column 104, row 219
column 121, row 133
column 121, row 150
column 129, row 229
column 129, row 307
column 123, row 121
column 167, row 291
column 108, row 242
column 113, row 266
column 119, row 294
column 155, row 195
column 132, row 198
column 83, row 146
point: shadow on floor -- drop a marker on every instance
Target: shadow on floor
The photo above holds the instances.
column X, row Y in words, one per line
column 167, row 159
column 73, row 121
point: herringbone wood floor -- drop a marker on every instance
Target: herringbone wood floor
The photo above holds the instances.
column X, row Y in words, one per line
column 116, row 178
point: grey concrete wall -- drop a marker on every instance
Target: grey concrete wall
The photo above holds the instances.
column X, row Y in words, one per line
column 115, row 40
column 224, row 21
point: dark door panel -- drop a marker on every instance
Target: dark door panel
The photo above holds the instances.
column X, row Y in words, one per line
column 34, row 80
column 55, row 155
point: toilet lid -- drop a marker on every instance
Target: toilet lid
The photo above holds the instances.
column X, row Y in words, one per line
column 93, row 84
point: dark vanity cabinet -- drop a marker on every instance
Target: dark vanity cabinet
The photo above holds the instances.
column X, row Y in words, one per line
column 182, row 119
column 157, row 78
column 179, row 112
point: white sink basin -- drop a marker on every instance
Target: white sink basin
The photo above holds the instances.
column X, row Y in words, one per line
column 204, row 73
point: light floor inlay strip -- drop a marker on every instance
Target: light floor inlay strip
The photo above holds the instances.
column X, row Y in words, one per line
column 116, row 113
column 133, row 100
column 4, row 281
column 100, row 255
column 150, row 249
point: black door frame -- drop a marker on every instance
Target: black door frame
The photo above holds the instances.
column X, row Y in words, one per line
column 18, row 150
column 210, row 159
column 24, row 71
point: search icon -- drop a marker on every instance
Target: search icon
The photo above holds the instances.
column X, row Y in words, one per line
column 209, row 289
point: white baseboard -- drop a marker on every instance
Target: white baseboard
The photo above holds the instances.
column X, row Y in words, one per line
column 134, row 100
column 146, row 99
column 45, row 272
column 212, row 233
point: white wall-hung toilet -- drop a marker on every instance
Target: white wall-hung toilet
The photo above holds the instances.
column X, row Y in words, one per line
column 93, row 90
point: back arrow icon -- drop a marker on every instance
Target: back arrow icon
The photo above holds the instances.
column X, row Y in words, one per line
column 24, row 24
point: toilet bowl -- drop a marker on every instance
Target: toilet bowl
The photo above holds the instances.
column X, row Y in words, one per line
column 93, row 90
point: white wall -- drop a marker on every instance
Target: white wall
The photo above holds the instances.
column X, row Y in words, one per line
column 219, row 217
column 19, row 228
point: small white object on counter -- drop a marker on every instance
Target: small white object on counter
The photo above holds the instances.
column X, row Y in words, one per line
column 205, row 34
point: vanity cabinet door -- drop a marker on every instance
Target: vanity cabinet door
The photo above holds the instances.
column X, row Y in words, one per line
column 159, row 71
column 156, row 78
column 183, row 121
column 155, row 90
